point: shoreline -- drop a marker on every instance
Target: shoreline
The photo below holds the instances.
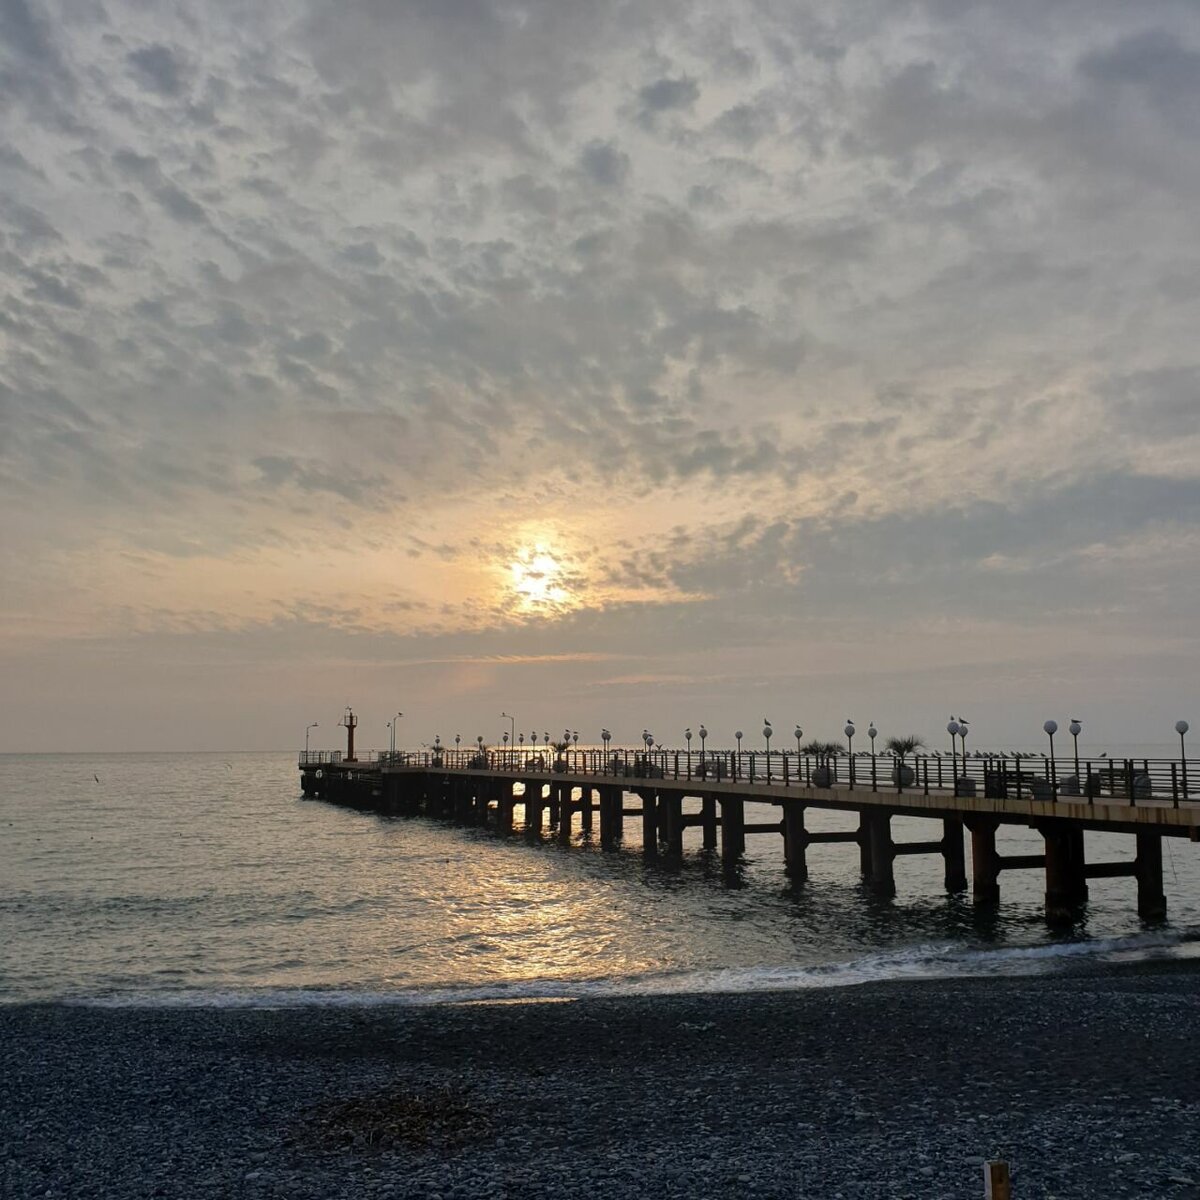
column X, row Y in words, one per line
column 1084, row 1079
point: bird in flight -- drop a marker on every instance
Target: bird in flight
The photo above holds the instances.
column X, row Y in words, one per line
column 95, row 777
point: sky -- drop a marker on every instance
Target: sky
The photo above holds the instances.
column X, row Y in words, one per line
column 607, row 364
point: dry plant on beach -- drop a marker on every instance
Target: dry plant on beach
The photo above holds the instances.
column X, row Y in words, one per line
column 439, row 1118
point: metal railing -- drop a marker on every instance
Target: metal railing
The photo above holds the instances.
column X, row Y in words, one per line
column 995, row 774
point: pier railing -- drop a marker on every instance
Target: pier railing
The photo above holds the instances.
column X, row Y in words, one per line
column 998, row 774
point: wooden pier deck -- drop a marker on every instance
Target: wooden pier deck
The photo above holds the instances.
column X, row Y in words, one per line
column 591, row 790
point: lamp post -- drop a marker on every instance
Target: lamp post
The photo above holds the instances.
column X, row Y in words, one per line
column 767, row 731
column 1051, row 728
column 1076, row 729
column 314, row 725
column 872, row 733
column 457, row 741
column 962, row 737
column 513, row 722
column 395, row 739
column 703, row 731
column 605, row 737
column 738, row 735
column 952, row 730
column 849, row 731
column 437, row 748
column 505, row 739
column 521, row 748
column 1181, row 727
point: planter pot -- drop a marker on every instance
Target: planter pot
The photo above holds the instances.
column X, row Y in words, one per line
column 903, row 776
column 964, row 787
column 822, row 777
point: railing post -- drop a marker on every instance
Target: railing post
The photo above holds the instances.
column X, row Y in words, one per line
column 1129, row 782
column 751, row 766
column 785, row 771
column 925, row 770
column 874, row 781
column 1174, row 786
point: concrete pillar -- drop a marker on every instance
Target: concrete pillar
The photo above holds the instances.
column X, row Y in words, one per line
column 612, row 819
column 554, row 803
column 534, row 808
column 1065, row 885
column 649, row 823
column 883, row 853
column 864, row 844
column 586, row 804
column 733, row 831
column 1151, row 900
column 795, row 842
column 985, row 864
column 708, row 813
column 671, row 809
column 952, row 853
column 504, row 810
column 566, row 812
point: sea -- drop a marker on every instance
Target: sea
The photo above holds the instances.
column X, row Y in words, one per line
column 207, row 879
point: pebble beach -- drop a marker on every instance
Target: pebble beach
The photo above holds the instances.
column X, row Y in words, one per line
column 1086, row 1081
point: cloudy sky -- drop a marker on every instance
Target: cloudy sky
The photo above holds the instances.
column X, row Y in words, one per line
column 626, row 364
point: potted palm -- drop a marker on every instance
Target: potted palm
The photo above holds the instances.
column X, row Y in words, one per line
column 900, row 748
column 560, row 756
column 825, row 772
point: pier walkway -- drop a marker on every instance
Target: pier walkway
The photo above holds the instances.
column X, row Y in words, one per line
column 670, row 792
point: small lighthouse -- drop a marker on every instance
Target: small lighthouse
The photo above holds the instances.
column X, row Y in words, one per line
column 351, row 723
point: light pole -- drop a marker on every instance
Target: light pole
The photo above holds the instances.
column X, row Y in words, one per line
column 314, row 725
column 437, row 749
column 703, row 731
column 849, row 731
column 506, row 747
column 479, row 743
column 1076, row 729
column 952, row 730
column 962, row 737
column 738, row 735
column 687, row 733
column 513, row 720
column 457, row 741
column 1051, row 728
column 395, row 741
column 605, row 737
column 1181, row 727
column 873, row 733
column 767, row 731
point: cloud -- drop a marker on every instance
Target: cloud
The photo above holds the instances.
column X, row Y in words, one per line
column 157, row 69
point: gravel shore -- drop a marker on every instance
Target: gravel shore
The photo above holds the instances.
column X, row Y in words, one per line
column 1088, row 1083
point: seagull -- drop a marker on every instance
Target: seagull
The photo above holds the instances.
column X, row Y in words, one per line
column 96, row 777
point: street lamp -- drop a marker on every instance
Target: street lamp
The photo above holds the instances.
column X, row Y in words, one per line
column 511, row 718
column 962, row 737
column 767, row 731
column 605, row 737
column 1181, row 727
column 505, row 737
column 738, row 735
column 952, row 729
column 314, row 725
column 703, row 732
column 1051, row 728
column 872, row 733
column 1076, row 729
column 849, row 731
column 395, row 743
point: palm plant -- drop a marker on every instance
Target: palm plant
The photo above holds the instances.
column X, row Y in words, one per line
column 900, row 748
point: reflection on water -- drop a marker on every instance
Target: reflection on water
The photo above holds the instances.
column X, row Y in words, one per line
column 207, row 874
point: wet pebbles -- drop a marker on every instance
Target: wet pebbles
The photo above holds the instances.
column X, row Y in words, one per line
column 1087, row 1083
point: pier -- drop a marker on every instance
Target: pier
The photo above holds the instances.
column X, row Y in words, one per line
column 594, row 793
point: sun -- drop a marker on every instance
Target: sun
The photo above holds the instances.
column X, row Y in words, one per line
column 539, row 580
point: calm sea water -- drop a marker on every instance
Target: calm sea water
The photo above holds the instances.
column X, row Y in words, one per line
column 206, row 878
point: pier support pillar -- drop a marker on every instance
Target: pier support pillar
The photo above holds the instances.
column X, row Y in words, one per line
column 985, row 863
column 952, row 852
column 670, row 807
column 504, row 811
column 649, row 823
column 883, row 853
column 864, row 844
column 708, row 815
column 733, row 832
column 612, row 818
column 1066, row 886
column 534, row 809
column 795, row 842
column 1151, row 900
column 586, row 806
column 566, row 811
